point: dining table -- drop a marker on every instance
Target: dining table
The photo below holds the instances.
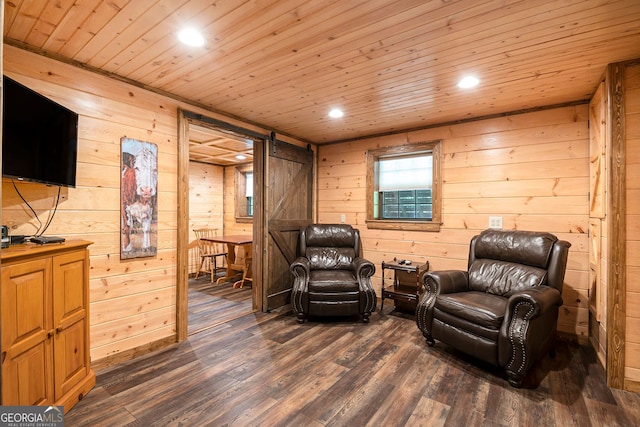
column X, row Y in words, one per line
column 235, row 266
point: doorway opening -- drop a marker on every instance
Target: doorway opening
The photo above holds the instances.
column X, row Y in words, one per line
column 219, row 199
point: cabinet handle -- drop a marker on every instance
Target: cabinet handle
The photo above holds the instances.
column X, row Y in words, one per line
column 51, row 333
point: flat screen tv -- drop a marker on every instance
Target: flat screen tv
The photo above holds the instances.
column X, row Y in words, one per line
column 39, row 137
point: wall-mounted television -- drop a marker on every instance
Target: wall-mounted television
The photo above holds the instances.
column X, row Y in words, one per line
column 39, row 137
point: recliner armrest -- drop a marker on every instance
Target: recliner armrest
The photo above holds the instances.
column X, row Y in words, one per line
column 437, row 283
column 446, row 281
column 300, row 268
column 539, row 298
column 363, row 268
column 528, row 327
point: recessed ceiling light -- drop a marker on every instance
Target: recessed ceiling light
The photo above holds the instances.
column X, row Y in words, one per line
column 241, row 157
column 191, row 37
column 336, row 113
column 468, row 82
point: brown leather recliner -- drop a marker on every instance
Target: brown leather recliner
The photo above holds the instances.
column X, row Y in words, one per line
column 330, row 277
column 504, row 309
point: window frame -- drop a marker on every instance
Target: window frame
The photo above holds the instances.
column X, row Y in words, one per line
column 373, row 157
column 240, row 199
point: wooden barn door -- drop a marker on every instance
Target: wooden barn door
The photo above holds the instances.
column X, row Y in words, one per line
column 288, row 207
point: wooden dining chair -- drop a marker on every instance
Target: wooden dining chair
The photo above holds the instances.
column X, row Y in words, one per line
column 209, row 252
column 247, row 272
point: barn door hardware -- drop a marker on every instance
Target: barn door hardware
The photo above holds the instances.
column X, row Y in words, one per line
column 274, row 141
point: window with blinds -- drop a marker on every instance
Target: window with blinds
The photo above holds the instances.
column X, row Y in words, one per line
column 244, row 193
column 405, row 187
column 249, row 192
column 403, row 184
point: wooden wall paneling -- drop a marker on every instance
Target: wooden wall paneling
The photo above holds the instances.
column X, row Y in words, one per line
column 484, row 175
column 231, row 226
column 206, row 204
column 597, row 153
column 633, row 329
column 119, row 286
column 595, row 254
column 536, row 187
column 503, row 172
column 133, row 345
column 616, row 308
column 631, row 373
column 144, row 290
column 108, row 110
column 632, row 271
column 104, row 333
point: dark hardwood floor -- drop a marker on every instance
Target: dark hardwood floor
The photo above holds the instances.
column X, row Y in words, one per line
column 264, row 369
column 211, row 304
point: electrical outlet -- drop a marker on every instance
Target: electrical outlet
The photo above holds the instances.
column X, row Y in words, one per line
column 343, row 218
column 495, row 222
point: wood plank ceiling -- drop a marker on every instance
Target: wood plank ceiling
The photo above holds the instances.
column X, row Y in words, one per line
column 389, row 64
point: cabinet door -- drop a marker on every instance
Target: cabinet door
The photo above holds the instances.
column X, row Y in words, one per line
column 26, row 332
column 70, row 353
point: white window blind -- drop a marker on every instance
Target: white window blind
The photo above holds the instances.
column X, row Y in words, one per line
column 249, row 184
column 405, row 173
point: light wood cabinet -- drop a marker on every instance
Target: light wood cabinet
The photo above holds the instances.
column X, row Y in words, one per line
column 44, row 302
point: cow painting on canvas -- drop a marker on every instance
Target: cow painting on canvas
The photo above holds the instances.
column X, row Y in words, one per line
column 138, row 199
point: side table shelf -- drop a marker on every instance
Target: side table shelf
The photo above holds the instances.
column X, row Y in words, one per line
column 406, row 287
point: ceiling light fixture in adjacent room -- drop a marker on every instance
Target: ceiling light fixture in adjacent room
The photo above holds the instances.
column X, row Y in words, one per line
column 241, row 157
column 191, row 37
column 468, row 82
column 336, row 113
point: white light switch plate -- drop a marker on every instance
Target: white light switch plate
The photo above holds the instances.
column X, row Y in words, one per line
column 343, row 218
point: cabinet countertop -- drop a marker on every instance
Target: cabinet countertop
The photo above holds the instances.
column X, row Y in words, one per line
column 23, row 250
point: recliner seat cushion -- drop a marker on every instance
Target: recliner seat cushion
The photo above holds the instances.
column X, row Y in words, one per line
column 480, row 308
column 468, row 328
column 504, row 278
column 326, row 281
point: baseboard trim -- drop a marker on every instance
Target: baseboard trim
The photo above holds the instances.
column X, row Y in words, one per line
column 131, row 354
column 632, row 386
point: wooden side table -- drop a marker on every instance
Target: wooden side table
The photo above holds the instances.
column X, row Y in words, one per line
column 406, row 287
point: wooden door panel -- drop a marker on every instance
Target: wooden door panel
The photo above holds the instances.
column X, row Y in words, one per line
column 68, row 288
column 288, row 208
column 69, row 358
column 69, row 320
column 26, row 329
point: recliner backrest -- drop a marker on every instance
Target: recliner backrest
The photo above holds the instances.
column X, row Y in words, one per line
column 330, row 246
column 503, row 262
